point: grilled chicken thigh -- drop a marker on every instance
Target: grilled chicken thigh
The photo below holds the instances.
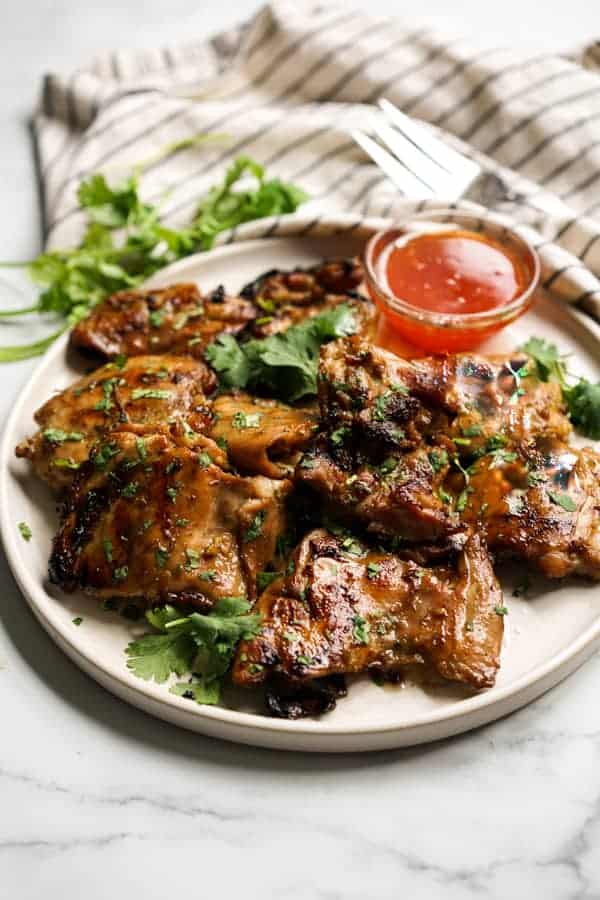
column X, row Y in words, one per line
column 395, row 496
column 285, row 298
column 541, row 504
column 156, row 518
column 146, row 390
column 177, row 319
column 401, row 437
column 263, row 437
column 345, row 609
column 463, row 396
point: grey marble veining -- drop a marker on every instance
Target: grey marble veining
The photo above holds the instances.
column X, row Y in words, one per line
column 99, row 800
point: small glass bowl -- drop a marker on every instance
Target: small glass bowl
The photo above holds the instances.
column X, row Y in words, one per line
column 438, row 332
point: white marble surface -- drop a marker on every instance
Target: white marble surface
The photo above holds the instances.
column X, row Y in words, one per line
column 98, row 800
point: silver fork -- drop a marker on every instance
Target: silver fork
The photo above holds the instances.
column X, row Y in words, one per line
column 423, row 166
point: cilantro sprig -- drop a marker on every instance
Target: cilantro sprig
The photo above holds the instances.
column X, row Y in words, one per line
column 202, row 645
column 283, row 364
column 582, row 398
column 125, row 241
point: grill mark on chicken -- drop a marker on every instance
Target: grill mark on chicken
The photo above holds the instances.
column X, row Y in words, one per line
column 540, row 503
column 146, row 391
column 343, row 612
column 177, row 319
column 161, row 521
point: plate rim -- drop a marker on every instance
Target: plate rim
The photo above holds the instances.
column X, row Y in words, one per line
column 517, row 693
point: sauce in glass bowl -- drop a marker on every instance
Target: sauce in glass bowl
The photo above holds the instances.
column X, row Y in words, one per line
column 445, row 281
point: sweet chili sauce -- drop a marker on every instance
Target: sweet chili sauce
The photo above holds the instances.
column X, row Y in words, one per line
column 455, row 271
column 441, row 272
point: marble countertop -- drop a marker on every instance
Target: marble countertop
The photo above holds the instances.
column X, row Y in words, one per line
column 100, row 800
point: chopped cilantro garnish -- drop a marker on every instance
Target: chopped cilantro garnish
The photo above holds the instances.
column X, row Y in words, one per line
column 77, row 620
column 150, row 394
column 338, row 436
column 161, row 555
column 388, row 465
column 360, row 630
column 209, row 575
column 130, row 489
column 172, row 493
column 120, row 573
column 106, row 403
column 65, row 462
column 373, row 570
column 438, row 459
column 58, row 436
column 305, row 660
column 254, row 530
column 192, row 557
column 501, row 610
column 242, row 420
column 156, row 318
column 104, row 454
column 352, row 546
column 204, row 459
column 108, row 549
column 26, row 532
column 563, row 500
column 444, row 495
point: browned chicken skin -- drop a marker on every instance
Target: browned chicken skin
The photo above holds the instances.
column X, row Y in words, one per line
column 146, row 390
column 346, row 609
column 541, row 504
column 155, row 517
column 263, row 437
column 414, row 448
column 176, row 319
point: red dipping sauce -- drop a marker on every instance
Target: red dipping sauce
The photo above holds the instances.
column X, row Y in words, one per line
column 444, row 287
column 453, row 272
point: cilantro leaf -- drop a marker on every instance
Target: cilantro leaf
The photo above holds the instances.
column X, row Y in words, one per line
column 156, row 656
column 284, row 364
column 581, row 398
column 549, row 363
column 564, row 500
column 26, row 532
column 75, row 279
column 58, row 436
column 205, row 691
column 201, row 643
column 228, row 358
column 583, row 403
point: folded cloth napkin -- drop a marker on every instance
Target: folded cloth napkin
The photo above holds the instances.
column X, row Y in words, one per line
column 287, row 87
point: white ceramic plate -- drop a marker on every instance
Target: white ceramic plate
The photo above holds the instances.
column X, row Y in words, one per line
column 548, row 634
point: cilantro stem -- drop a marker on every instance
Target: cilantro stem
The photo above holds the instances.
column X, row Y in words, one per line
column 6, row 313
column 26, row 351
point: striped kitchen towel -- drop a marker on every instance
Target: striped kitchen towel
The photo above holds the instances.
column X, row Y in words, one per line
column 287, row 87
